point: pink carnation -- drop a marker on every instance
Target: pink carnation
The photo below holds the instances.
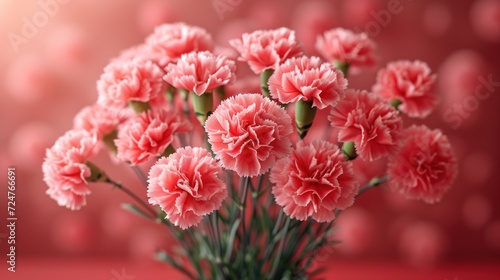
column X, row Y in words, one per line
column 148, row 135
column 175, row 39
column 99, row 120
column 143, row 52
column 409, row 82
column 65, row 170
column 131, row 80
column 267, row 49
column 200, row 72
column 345, row 46
column 248, row 133
column 308, row 79
column 425, row 166
column 187, row 186
column 313, row 181
column 368, row 121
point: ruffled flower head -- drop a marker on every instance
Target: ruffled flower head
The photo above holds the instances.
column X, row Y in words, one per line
column 367, row 120
column 314, row 181
column 248, row 133
column 99, row 120
column 267, row 49
column 130, row 80
column 344, row 46
column 308, row 79
column 186, row 185
column 175, row 39
column 200, row 72
column 148, row 134
column 65, row 170
column 411, row 83
column 424, row 167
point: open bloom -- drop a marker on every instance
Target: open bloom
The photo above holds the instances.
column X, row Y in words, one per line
column 248, row 133
column 148, row 134
column 144, row 52
column 267, row 49
column 409, row 82
column 99, row 120
column 200, row 72
column 65, row 170
column 130, row 80
column 367, row 120
column 308, row 79
column 314, row 181
column 187, row 186
column 424, row 167
column 344, row 46
column 172, row 40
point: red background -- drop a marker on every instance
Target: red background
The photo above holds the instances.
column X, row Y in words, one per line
column 52, row 75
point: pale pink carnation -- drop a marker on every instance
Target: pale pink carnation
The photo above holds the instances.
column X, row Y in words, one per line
column 267, row 49
column 186, row 185
column 248, row 133
column 131, row 80
column 410, row 82
column 344, row 46
column 200, row 72
column 144, row 52
column 314, row 181
column 148, row 134
column 308, row 79
column 175, row 39
column 424, row 167
column 65, row 170
column 367, row 120
column 99, row 120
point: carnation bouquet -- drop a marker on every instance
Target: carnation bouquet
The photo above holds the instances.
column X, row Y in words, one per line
column 250, row 182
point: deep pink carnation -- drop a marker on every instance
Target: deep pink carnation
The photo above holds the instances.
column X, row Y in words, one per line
column 345, row 46
column 410, row 82
column 267, row 49
column 148, row 135
column 99, row 120
column 175, row 39
column 131, row 80
column 367, row 120
column 200, row 72
column 65, row 171
column 248, row 133
column 308, row 79
column 187, row 186
column 425, row 166
column 314, row 181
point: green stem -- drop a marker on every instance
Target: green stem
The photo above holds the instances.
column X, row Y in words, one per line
column 139, row 106
column 349, row 151
column 280, row 250
column 242, row 217
column 133, row 196
column 343, row 67
column 264, row 78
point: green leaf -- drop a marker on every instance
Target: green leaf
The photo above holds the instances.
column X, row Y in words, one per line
column 135, row 210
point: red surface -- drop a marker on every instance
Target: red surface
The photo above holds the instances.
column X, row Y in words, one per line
column 56, row 269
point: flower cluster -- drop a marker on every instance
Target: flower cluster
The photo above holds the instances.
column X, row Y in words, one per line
column 149, row 94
